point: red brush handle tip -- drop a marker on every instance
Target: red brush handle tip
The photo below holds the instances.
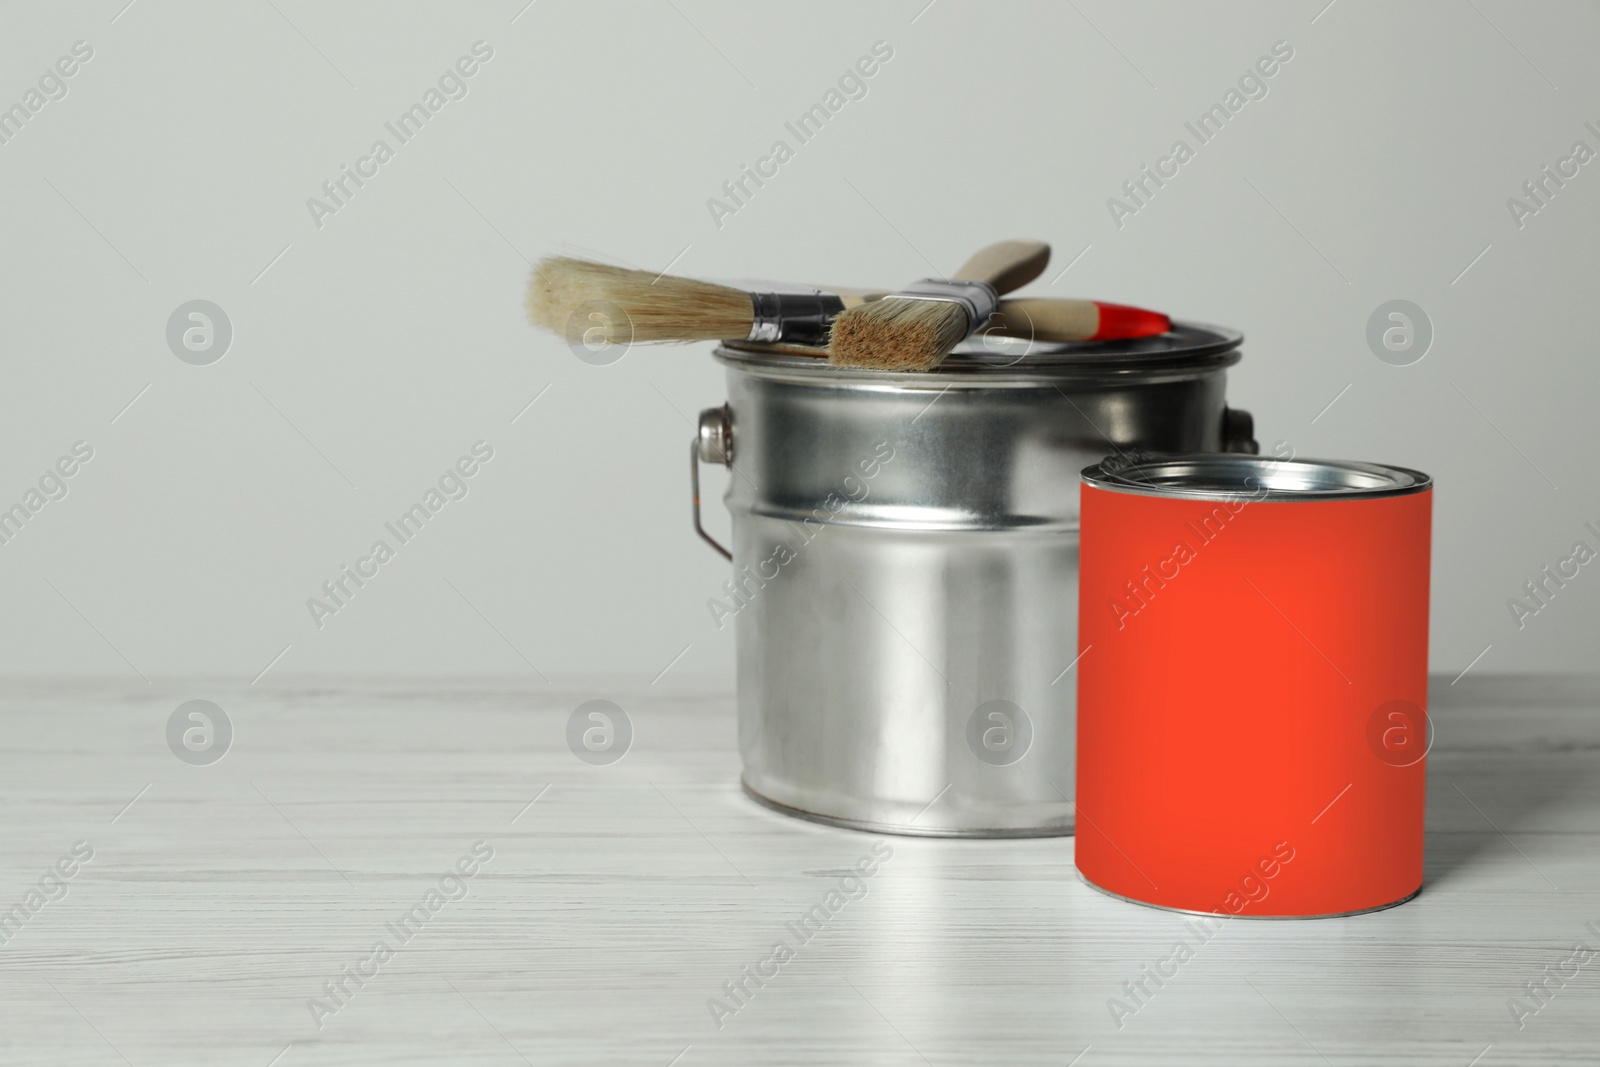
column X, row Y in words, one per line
column 1119, row 321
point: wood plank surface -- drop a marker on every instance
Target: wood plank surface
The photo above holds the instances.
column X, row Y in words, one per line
column 620, row 899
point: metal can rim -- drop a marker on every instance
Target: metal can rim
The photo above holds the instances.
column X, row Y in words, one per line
column 1234, row 476
column 1192, row 348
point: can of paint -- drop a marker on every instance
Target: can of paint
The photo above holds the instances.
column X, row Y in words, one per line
column 1252, row 726
column 905, row 552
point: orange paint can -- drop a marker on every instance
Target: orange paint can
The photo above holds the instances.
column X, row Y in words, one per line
column 1252, row 683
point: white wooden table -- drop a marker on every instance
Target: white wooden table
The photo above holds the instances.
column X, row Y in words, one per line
column 220, row 901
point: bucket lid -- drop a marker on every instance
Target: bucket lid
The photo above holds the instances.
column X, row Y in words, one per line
column 1189, row 346
column 1216, row 476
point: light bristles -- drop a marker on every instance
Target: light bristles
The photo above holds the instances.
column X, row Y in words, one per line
column 566, row 295
column 897, row 334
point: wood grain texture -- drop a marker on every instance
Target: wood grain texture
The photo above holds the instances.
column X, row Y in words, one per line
column 614, row 907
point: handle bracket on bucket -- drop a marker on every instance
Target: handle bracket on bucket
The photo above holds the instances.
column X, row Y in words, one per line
column 714, row 444
column 1239, row 432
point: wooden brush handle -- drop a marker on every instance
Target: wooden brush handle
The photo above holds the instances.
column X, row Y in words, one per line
column 1048, row 318
column 1006, row 265
column 856, row 297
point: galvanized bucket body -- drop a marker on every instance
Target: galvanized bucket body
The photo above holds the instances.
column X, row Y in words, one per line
column 905, row 558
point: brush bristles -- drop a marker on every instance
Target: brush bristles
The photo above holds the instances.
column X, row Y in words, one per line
column 897, row 334
column 573, row 296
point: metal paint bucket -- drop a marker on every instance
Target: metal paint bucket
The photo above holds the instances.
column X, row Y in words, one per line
column 1252, row 732
column 905, row 557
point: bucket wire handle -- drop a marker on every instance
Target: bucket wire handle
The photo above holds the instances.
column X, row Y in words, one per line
column 714, row 444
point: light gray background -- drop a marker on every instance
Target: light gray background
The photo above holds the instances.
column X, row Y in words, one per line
column 370, row 353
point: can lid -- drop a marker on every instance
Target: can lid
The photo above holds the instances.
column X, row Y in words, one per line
column 1216, row 476
column 1190, row 346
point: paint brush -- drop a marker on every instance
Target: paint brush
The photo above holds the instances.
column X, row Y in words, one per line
column 575, row 298
column 581, row 299
column 915, row 328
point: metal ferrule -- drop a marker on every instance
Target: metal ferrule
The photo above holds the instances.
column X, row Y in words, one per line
column 796, row 318
column 978, row 299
